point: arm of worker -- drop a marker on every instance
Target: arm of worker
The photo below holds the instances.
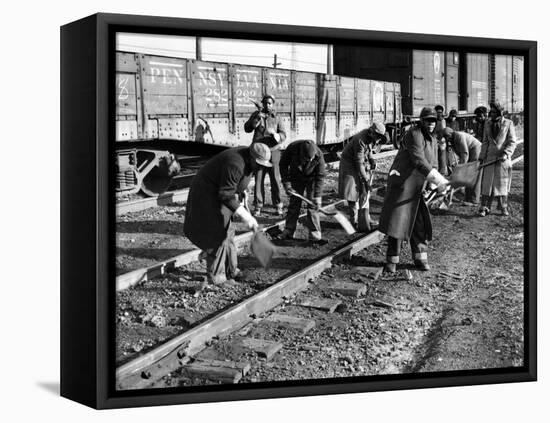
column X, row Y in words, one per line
column 484, row 144
column 278, row 132
column 229, row 181
column 320, row 176
column 510, row 143
column 461, row 148
column 414, row 145
column 359, row 149
column 284, row 165
column 253, row 121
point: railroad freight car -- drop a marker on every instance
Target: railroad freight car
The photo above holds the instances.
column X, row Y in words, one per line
column 167, row 107
column 456, row 80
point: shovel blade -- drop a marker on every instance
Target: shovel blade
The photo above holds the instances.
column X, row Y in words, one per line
column 263, row 249
column 345, row 223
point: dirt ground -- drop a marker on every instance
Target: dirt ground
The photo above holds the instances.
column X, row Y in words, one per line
column 465, row 313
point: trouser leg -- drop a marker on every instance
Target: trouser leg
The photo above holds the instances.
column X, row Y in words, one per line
column 313, row 221
column 222, row 262
column 419, row 244
column 275, row 178
column 442, row 158
column 293, row 212
column 393, row 251
column 259, row 187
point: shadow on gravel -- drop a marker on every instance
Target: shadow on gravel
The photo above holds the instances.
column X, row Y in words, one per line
column 151, row 227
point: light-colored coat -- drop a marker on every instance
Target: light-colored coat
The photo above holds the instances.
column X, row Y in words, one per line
column 497, row 178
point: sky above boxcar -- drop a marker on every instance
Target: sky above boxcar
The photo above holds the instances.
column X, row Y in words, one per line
column 298, row 56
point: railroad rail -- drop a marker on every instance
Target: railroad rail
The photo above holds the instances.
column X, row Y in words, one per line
column 144, row 371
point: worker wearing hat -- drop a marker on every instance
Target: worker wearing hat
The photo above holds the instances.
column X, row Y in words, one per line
column 479, row 124
column 268, row 129
column 303, row 170
column 405, row 215
column 354, row 177
column 499, row 143
column 217, row 194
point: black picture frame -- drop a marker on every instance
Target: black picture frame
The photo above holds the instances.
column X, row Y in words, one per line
column 87, row 208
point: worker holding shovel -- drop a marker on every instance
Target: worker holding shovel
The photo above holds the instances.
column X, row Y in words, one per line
column 303, row 170
column 405, row 215
column 355, row 179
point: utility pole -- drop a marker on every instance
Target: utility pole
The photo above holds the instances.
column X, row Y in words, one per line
column 275, row 63
column 198, row 48
column 330, row 68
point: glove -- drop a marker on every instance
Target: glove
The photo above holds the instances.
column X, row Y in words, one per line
column 504, row 157
column 437, row 179
column 246, row 217
column 318, row 202
column 277, row 137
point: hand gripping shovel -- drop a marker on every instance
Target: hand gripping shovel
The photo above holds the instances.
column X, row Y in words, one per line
column 340, row 218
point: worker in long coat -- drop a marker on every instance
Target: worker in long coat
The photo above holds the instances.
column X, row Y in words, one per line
column 405, row 215
column 499, row 143
column 303, row 170
column 268, row 128
column 467, row 148
column 216, row 195
column 354, row 176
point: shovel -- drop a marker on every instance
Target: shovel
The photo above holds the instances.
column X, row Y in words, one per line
column 339, row 217
column 262, row 248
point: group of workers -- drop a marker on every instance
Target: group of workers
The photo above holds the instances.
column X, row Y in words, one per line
column 219, row 190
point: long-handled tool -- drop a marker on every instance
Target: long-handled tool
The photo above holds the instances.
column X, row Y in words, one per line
column 339, row 217
column 363, row 218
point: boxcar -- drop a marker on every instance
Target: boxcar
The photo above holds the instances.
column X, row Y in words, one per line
column 167, row 107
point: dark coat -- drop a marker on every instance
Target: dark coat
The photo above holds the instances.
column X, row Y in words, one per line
column 497, row 178
column 263, row 128
column 214, row 197
column 416, row 157
column 293, row 170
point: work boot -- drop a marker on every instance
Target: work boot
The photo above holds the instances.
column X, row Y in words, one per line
column 505, row 211
column 422, row 265
column 217, row 279
column 390, row 268
column 315, row 235
column 286, row 234
column 484, row 211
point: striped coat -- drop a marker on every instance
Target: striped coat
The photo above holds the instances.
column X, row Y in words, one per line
column 497, row 178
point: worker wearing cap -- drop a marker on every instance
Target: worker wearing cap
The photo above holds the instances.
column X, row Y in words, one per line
column 214, row 198
column 354, row 177
column 405, row 215
column 452, row 122
column 467, row 148
column 479, row 124
column 303, row 169
column 499, row 143
column 268, row 129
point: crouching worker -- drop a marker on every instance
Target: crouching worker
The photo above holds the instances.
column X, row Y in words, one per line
column 467, row 147
column 354, row 179
column 405, row 215
column 303, row 169
column 214, row 198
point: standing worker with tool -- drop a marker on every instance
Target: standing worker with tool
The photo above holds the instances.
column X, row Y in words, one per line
column 214, row 198
column 467, row 148
column 499, row 143
column 268, row 129
column 303, row 169
column 354, row 181
column 405, row 215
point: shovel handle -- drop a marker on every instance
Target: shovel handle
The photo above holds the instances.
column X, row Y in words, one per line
column 311, row 203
